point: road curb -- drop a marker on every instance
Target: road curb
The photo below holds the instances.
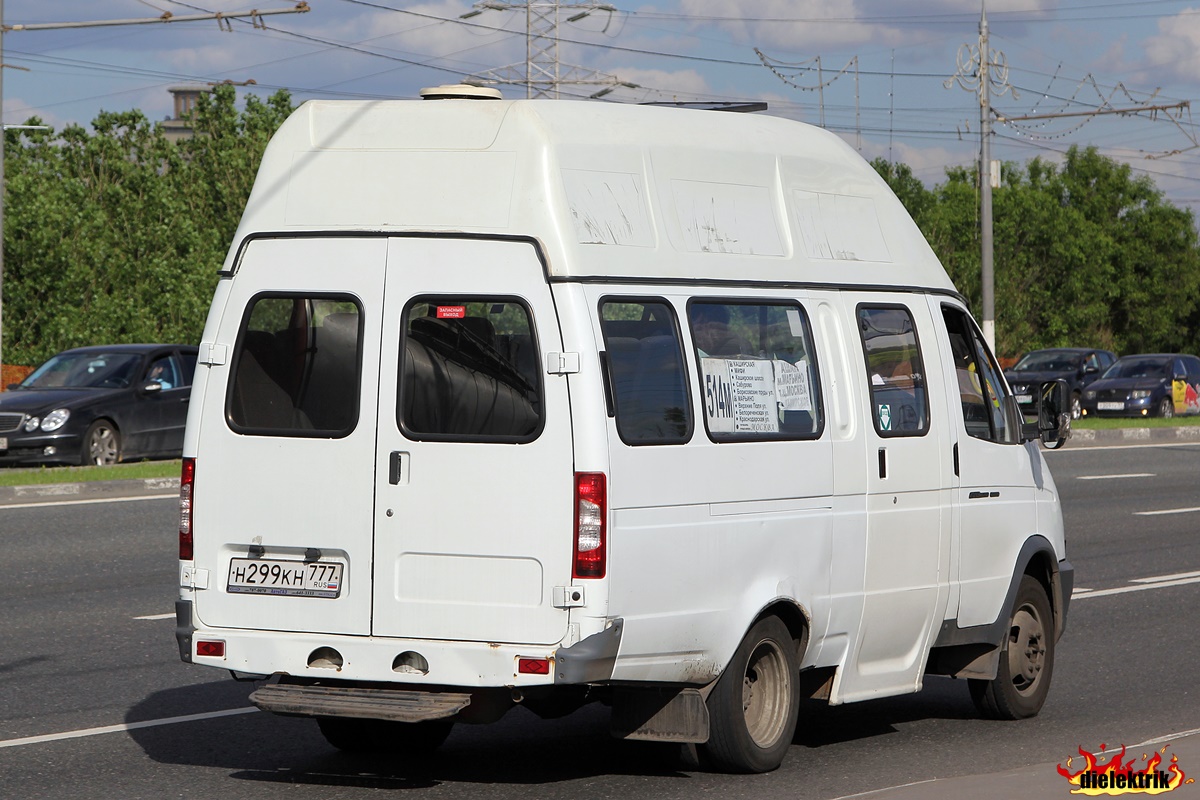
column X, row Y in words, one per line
column 92, row 490
column 1128, row 436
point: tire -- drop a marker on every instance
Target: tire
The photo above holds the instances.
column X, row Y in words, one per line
column 1026, row 659
column 1076, row 405
column 101, row 445
column 753, row 708
column 1166, row 408
column 353, row 735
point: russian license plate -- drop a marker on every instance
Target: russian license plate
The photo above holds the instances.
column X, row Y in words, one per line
column 1025, row 398
column 1110, row 406
column 284, row 578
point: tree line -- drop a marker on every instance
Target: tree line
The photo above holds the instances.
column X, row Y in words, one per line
column 1086, row 254
column 116, row 235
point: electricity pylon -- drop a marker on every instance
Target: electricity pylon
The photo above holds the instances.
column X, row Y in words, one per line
column 542, row 73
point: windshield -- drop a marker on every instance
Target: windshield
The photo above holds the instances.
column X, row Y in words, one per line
column 84, row 370
column 1135, row 367
column 1047, row 361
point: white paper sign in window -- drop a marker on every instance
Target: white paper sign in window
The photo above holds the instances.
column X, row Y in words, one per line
column 792, row 391
column 740, row 395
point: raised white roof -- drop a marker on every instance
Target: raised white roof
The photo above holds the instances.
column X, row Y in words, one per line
column 608, row 190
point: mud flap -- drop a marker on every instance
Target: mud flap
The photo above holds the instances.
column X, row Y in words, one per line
column 660, row 715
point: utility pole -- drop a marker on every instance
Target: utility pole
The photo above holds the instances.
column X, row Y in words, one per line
column 987, row 277
column 542, row 73
column 978, row 69
column 222, row 18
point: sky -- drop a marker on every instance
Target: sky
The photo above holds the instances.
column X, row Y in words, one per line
column 880, row 73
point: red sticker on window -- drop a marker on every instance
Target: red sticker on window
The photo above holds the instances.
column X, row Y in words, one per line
column 451, row 312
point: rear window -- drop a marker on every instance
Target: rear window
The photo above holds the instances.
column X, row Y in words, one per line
column 469, row 371
column 297, row 366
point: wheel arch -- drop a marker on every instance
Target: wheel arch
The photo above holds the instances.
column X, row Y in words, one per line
column 793, row 616
column 975, row 651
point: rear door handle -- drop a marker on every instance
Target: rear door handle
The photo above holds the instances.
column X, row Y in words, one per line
column 398, row 467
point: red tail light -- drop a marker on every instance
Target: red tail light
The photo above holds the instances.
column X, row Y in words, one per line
column 591, row 525
column 187, row 482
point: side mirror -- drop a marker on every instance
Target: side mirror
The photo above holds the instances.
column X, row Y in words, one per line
column 10, row 387
column 151, row 387
column 1054, row 414
column 1088, row 369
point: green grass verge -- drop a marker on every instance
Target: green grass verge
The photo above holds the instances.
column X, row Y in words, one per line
column 117, row 472
column 1114, row 423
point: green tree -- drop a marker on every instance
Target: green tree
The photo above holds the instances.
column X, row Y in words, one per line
column 116, row 235
column 1086, row 254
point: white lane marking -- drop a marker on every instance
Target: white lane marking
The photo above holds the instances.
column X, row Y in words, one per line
column 1092, row 448
column 174, row 497
column 158, row 616
column 128, row 726
column 1113, row 477
column 1170, row 737
column 887, row 789
column 1158, row 578
column 1139, row 588
column 1192, row 510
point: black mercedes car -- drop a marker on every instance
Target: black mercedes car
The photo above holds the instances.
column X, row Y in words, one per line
column 99, row 405
column 1078, row 366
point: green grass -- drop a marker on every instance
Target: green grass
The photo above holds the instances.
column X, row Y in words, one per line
column 1114, row 423
column 135, row 471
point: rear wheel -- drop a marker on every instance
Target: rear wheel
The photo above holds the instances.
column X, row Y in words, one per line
column 1166, row 408
column 101, row 444
column 355, row 735
column 1026, row 659
column 752, row 709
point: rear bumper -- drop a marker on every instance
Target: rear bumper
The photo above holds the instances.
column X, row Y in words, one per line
column 387, row 660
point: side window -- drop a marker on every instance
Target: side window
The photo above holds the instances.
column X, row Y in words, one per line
column 986, row 414
column 1178, row 368
column 758, row 374
column 164, row 371
column 189, row 367
column 644, row 370
column 895, row 372
column 1193, row 365
column 469, row 371
column 296, row 367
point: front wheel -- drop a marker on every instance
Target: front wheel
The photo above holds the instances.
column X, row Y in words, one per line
column 354, row 735
column 1166, row 408
column 753, row 708
column 1076, row 406
column 101, row 445
column 1026, row 659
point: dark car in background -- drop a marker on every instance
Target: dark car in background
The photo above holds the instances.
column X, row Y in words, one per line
column 1149, row 384
column 1078, row 366
column 99, row 405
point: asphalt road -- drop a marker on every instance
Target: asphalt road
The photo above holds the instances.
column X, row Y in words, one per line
column 91, row 687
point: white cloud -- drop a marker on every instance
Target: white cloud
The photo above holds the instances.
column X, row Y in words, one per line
column 1176, row 50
